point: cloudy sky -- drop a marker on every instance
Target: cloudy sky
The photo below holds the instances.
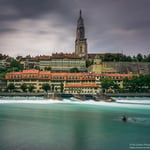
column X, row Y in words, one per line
column 46, row 26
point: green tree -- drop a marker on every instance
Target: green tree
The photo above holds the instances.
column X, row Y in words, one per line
column 147, row 82
column 139, row 57
column 116, row 87
column 2, row 72
column 148, row 58
column 88, row 63
column 53, row 87
column 126, row 84
column 106, row 84
column 11, row 87
column 138, row 84
column 31, row 88
column 46, row 87
column 108, row 57
column 61, row 87
column 48, row 68
column 15, row 66
column 74, row 70
column 24, row 87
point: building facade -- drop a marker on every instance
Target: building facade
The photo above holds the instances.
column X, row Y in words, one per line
column 61, row 62
column 73, row 83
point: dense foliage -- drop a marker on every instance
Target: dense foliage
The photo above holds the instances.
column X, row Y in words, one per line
column 24, row 87
column 89, row 63
column 74, row 70
column 14, row 67
column 124, row 58
column 109, row 85
column 31, row 88
column 46, row 87
column 137, row 84
column 47, row 68
column 11, row 87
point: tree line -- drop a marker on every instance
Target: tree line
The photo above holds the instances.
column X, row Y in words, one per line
column 137, row 84
column 25, row 88
column 123, row 58
column 140, row 84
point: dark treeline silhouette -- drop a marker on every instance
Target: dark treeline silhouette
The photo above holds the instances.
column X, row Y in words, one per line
column 140, row 84
column 124, row 58
column 136, row 84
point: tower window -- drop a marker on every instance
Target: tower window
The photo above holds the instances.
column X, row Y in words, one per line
column 80, row 49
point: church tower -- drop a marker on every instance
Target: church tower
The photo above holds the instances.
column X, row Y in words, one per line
column 80, row 42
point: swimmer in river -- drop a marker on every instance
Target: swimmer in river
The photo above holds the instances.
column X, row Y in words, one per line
column 124, row 118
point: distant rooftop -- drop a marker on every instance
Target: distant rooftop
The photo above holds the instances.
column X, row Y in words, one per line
column 64, row 55
column 30, row 71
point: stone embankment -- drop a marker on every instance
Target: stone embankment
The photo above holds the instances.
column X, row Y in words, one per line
column 21, row 94
column 97, row 97
column 53, row 96
column 128, row 94
column 58, row 96
column 103, row 97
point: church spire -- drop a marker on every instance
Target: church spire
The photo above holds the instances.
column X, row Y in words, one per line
column 80, row 27
column 80, row 13
column 80, row 43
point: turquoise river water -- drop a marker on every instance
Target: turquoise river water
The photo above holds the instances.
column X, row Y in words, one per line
column 37, row 124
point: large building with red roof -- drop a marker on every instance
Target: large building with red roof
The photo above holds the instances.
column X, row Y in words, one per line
column 85, row 83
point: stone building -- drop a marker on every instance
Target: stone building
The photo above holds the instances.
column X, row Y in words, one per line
column 61, row 62
column 120, row 67
column 80, row 42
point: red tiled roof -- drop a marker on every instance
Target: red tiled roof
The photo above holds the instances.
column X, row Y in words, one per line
column 64, row 55
column 44, row 57
column 74, row 74
column 59, row 74
column 44, row 72
column 30, row 71
column 66, row 74
column 81, row 85
column 82, row 76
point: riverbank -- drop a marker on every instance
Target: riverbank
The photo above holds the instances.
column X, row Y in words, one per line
column 21, row 94
column 71, row 95
column 128, row 94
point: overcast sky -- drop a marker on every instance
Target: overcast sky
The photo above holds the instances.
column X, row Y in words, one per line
column 46, row 26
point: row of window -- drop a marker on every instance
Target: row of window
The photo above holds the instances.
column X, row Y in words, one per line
column 112, row 77
column 63, row 62
column 86, row 92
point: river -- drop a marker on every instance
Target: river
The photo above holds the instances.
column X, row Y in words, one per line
column 38, row 124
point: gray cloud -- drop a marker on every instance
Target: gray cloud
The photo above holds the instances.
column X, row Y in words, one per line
column 111, row 25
